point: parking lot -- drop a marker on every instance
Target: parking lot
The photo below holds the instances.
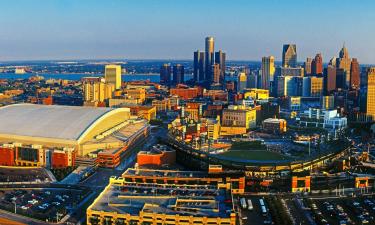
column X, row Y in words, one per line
column 342, row 210
column 49, row 204
column 273, row 210
column 24, row 175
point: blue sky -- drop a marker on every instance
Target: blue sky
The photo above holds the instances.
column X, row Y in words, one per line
column 173, row 29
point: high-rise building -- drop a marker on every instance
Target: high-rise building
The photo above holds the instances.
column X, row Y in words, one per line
column 370, row 109
column 216, row 73
column 95, row 90
column 317, row 65
column 355, row 78
column 242, row 82
column 333, row 61
column 341, row 78
column 289, row 71
column 209, row 53
column 344, row 63
column 165, row 74
column 330, row 78
column 289, row 55
column 220, row 59
column 268, row 71
column 312, row 86
column 289, row 86
column 112, row 75
column 307, row 66
column 199, row 66
column 178, row 74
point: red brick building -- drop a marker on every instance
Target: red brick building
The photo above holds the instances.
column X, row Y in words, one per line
column 6, row 156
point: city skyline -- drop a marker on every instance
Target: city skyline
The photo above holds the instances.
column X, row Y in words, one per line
column 73, row 31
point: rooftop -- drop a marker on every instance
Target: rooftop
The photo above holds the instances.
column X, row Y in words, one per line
column 129, row 199
column 52, row 121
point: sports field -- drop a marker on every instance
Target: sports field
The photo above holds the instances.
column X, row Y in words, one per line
column 252, row 151
column 254, row 155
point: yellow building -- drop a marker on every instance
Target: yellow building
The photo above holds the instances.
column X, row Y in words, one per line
column 95, row 90
column 161, row 105
column 139, row 94
column 113, row 75
column 146, row 112
column 268, row 71
column 371, row 92
column 213, row 127
column 164, row 197
column 316, row 86
column 239, row 116
column 257, row 94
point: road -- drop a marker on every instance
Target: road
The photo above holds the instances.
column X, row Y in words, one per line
column 100, row 179
column 96, row 182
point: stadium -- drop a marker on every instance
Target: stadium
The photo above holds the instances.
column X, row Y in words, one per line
column 29, row 132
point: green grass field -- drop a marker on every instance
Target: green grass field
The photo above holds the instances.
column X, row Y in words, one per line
column 254, row 155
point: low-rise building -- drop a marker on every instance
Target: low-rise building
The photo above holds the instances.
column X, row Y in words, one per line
column 273, row 125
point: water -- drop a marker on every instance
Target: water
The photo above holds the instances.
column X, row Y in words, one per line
column 78, row 76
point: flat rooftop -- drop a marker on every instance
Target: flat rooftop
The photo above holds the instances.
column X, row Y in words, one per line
column 180, row 200
column 164, row 173
column 123, row 135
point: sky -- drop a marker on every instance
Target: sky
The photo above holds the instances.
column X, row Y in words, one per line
column 173, row 29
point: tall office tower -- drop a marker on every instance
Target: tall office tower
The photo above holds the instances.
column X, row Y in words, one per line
column 312, row 86
column 333, row 61
column 165, row 74
column 340, row 78
column 289, row 55
column 209, row 52
column 199, row 66
column 178, row 74
column 329, row 79
column 355, row 79
column 242, row 82
column 370, row 109
column 344, row 62
column 288, row 86
column 268, row 71
column 220, row 59
column 112, row 75
column 307, row 66
column 317, row 65
column 216, row 73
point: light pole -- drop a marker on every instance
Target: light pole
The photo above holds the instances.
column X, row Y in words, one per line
column 15, row 207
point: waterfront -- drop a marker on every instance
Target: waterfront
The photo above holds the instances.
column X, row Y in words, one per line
column 78, row 76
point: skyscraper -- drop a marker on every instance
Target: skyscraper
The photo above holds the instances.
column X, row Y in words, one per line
column 289, row 55
column 112, row 75
column 307, row 66
column 330, row 79
column 317, row 65
column 344, row 62
column 178, row 74
column 199, row 66
column 268, row 71
column 355, row 78
column 209, row 53
column 216, row 73
column 371, row 92
column 165, row 74
column 220, row 59
column 242, row 81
